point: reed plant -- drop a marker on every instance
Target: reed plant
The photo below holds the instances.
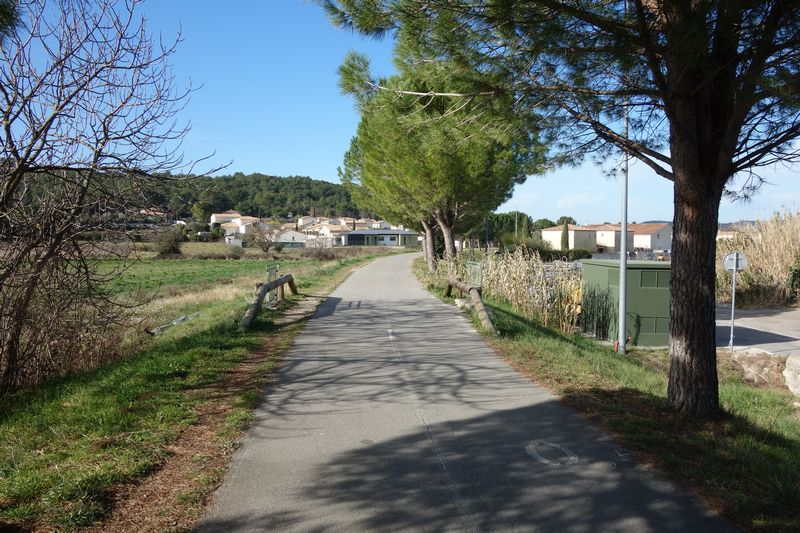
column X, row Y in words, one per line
column 772, row 248
column 549, row 293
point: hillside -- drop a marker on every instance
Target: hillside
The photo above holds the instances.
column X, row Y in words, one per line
column 254, row 194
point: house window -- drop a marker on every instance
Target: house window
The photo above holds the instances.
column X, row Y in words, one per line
column 392, row 238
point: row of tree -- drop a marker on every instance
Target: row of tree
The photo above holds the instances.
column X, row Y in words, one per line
column 700, row 91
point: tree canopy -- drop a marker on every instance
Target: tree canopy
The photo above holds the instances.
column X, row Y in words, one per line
column 710, row 88
column 253, row 194
column 418, row 156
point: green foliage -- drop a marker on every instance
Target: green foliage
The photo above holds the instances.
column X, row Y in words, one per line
column 152, row 274
column 253, row 194
column 543, row 223
column 415, row 156
column 565, row 220
column 598, row 313
column 565, row 237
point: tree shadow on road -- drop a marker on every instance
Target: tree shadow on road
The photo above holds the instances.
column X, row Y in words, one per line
column 535, row 468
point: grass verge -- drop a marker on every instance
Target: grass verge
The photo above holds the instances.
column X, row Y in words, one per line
column 746, row 465
column 66, row 448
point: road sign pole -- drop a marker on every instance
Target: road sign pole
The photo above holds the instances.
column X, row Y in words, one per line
column 733, row 297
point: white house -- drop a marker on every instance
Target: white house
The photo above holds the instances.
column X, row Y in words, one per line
column 579, row 237
column 306, row 221
column 243, row 225
column 227, row 216
column 608, row 237
column 652, row 236
column 381, row 224
column 291, row 238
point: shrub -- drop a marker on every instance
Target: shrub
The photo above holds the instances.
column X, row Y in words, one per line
column 578, row 254
column 235, row 252
column 168, row 243
column 598, row 313
column 320, row 254
column 278, row 247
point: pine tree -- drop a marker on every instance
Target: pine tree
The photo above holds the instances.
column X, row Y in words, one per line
column 710, row 86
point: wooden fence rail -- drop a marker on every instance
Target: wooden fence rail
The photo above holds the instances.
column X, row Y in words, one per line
column 477, row 302
column 255, row 307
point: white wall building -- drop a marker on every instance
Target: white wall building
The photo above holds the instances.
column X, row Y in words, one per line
column 291, row 238
column 652, row 236
column 222, row 218
column 609, row 237
column 579, row 237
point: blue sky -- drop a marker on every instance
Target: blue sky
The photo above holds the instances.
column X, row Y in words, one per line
column 269, row 103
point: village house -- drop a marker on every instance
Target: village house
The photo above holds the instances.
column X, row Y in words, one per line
column 652, row 237
column 608, row 237
column 227, row 216
column 580, row 237
column 380, row 237
column 290, row 238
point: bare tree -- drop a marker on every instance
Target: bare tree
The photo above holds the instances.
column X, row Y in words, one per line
column 88, row 108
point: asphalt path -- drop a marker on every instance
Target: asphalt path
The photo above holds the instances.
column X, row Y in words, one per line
column 392, row 414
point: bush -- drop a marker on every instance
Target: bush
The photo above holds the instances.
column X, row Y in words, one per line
column 278, row 247
column 546, row 254
column 598, row 313
column 168, row 243
column 320, row 254
column 235, row 252
column 578, row 254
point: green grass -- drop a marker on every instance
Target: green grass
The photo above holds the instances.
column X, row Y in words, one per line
column 154, row 274
column 747, row 464
column 65, row 445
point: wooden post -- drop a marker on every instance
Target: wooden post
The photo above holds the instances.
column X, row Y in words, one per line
column 280, row 293
column 477, row 303
column 255, row 307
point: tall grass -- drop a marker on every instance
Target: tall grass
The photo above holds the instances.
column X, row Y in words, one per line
column 547, row 292
column 772, row 248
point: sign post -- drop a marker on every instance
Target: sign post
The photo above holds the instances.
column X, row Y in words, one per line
column 734, row 263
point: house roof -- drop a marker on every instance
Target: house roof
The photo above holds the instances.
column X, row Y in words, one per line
column 381, row 232
column 647, row 229
column 571, row 227
column 603, row 227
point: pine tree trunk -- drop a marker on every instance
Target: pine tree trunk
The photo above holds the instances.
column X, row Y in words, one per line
column 428, row 246
column 446, row 226
column 693, row 387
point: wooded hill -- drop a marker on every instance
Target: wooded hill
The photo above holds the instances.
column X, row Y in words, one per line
column 253, row 194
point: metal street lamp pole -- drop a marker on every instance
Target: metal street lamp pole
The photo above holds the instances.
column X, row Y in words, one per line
column 623, row 248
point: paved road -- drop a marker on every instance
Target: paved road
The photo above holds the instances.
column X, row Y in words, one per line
column 392, row 414
column 776, row 331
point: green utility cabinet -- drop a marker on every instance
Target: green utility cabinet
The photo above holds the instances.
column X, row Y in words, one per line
column 648, row 291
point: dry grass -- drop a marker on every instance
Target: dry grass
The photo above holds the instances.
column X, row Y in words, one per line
column 772, row 248
column 549, row 293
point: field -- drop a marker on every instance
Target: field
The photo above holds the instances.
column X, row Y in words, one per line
column 746, row 465
column 166, row 275
column 68, row 447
